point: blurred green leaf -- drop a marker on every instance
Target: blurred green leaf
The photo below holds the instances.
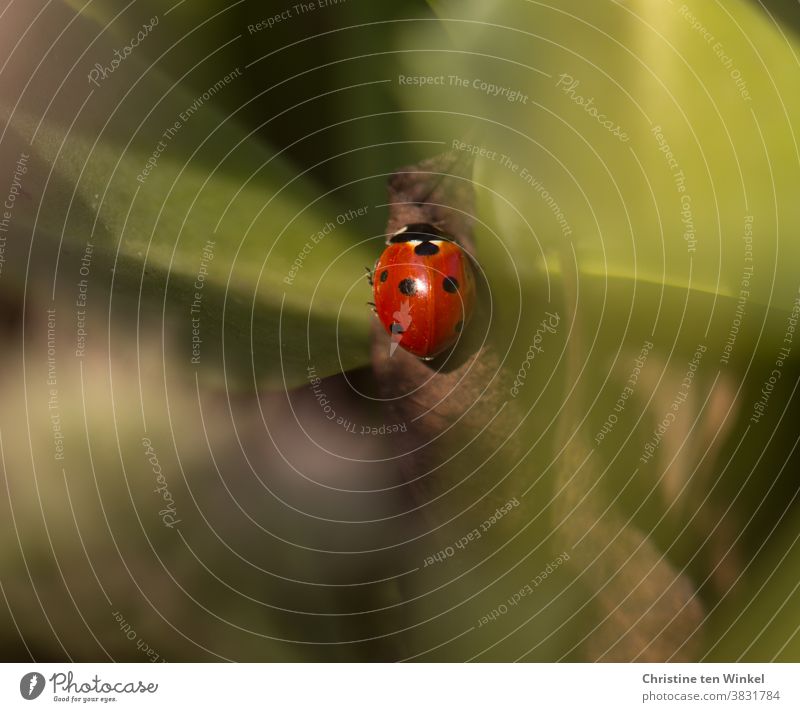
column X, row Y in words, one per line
column 711, row 84
column 283, row 271
column 760, row 618
column 631, row 246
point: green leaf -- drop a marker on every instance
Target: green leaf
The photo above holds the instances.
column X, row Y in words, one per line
column 637, row 251
column 759, row 619
column 173, row 194
column 579, row 106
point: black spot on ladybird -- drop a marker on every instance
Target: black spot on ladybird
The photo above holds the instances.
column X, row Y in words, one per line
column 384, row 275
column 408, row 287
column 450, row 284
column 426, row 248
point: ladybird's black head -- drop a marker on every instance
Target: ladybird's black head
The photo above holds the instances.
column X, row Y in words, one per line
column 422, row 232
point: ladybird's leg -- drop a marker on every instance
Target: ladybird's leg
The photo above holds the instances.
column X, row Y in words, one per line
column 369, row 275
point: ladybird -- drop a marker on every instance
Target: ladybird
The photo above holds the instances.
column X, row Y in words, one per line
column 424, row 290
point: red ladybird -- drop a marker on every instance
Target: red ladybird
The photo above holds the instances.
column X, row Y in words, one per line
column 424, row 287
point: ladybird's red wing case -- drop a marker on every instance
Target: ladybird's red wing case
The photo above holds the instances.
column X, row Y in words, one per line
column 424, row 293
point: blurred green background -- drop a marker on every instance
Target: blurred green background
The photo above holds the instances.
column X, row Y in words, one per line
column 184, row 259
